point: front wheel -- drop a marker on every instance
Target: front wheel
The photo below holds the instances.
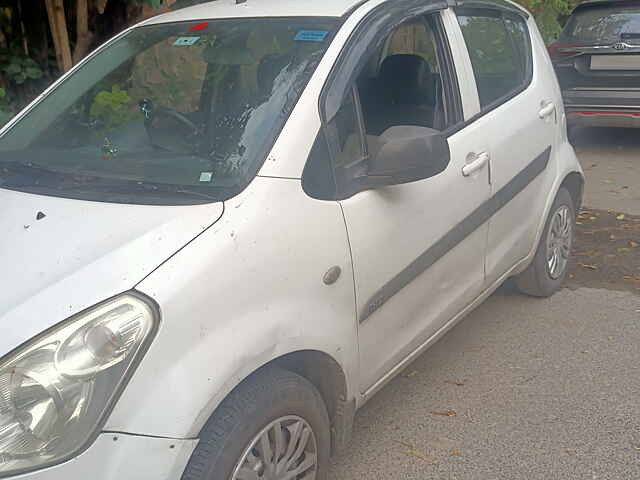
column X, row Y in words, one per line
column 549, row 268
column 274, row 426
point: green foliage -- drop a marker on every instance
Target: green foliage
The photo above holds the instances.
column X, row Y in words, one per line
column 112, row 108
column 19, row 68
column 550, row 15
column 5, row 116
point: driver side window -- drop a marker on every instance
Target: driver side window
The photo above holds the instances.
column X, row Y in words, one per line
column 403, row 84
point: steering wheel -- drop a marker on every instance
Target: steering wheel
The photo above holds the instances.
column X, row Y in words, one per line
column 151, row 112
column 178, row 116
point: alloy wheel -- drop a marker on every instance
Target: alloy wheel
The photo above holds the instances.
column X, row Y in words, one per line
column 286, row 449
column 559, row 239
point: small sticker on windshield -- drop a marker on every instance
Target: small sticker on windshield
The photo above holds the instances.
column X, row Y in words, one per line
column 185, row 41
column 311, row 36
column 206, row 176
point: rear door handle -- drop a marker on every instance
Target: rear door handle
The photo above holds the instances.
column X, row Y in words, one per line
column 547, row 110
column 475, row 162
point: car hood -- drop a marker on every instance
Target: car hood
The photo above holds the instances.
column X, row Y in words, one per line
column 60, row 256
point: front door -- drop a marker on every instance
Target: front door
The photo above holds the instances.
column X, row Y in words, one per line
column 418, row 250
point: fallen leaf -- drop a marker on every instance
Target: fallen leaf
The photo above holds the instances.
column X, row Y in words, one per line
column 421, row 456
column 571, row 275
column 633, row 244
column 620, row 217
column 612, row 237
column 588, row 253
column 445, row 413
column 589, row 267
column 456, row 452
column 623, row 250
column 411, row 374
column 608, row 181
column 455, row 382
column 476, row 348
column 593, row 218
column 578, row 223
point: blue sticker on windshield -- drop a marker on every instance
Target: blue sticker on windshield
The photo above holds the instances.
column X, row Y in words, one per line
column 311, row 36
column 185, row 41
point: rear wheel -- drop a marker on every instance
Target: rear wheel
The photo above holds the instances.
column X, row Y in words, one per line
column 547, row 272
column 274, row 426
column 572, row 133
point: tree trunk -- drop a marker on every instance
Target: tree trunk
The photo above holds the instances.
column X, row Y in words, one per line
column 58, row 25
column 3, row 40
column 84, row 36
column 23, row 32
column 101, row 5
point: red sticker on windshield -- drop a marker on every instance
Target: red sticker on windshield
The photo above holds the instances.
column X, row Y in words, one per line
column 199, row 26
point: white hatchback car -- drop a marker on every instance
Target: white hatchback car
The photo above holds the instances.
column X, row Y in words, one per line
column 232, row 224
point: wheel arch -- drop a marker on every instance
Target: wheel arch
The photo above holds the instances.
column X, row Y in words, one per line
column 326, row 374
column 574, row 183
column 329, row 378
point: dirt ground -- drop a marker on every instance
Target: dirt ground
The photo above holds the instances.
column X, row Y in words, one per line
column 611, row 161
column 606, row 254
column 607, row 251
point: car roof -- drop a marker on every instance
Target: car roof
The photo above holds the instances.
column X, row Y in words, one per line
column 260, row 8
column 295, row 8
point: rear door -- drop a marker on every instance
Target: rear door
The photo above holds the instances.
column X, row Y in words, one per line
column 518, row 120
column 599, row 49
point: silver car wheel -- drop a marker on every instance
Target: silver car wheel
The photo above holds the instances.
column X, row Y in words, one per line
column 559, row 239
column 284, row 450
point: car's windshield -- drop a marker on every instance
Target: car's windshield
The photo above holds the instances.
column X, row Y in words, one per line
column 606, row 24
column 170, row 113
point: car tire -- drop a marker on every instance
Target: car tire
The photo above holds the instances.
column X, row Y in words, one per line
column 572, row 134
column 541, row 279
column 271, row 403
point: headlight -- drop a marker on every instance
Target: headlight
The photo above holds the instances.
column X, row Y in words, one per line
column 56, row 390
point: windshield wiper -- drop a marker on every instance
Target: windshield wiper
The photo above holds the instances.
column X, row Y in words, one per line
column 138, row 188
column 29, row 174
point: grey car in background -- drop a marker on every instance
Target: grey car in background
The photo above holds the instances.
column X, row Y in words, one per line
column 597, row 59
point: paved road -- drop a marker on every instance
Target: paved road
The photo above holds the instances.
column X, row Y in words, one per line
column 541, row 389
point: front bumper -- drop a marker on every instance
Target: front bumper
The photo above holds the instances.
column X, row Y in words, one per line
column 602, row 107
column 117, row 456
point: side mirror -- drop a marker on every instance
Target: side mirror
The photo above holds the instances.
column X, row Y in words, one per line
column 407, row 154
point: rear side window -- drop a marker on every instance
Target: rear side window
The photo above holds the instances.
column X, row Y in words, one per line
column 604, row 24
column 500, row 52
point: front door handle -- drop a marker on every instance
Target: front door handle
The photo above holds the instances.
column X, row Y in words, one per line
column 475, row 162
column 547, row 110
